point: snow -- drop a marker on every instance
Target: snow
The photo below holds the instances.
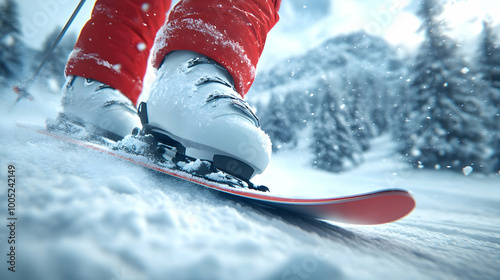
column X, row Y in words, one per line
column 145, row 7
column 219, row 38
column 85, row 215
column 192, row 166
column 467, row 170
column 78, row 54
column 141, row 46
column 133, row 145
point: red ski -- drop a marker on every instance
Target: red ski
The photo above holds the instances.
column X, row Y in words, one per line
column 379, row 207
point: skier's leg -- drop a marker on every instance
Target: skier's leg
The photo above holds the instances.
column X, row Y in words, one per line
column 206, row 56
column 106, row 69
column 232, row 33
column 114, row 45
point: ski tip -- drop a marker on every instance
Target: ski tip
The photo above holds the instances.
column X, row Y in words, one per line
column 383, row 207
column 375, row 208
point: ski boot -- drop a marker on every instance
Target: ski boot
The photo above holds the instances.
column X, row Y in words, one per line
column 194, row 106
column 101, row 109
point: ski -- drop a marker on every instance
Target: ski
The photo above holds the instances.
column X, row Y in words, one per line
column 378, row 207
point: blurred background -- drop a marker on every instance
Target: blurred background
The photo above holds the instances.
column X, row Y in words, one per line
column 356, row 95
column 338, row 72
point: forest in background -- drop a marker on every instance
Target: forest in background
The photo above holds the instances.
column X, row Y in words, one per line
column 18, row 61
column 443, row 111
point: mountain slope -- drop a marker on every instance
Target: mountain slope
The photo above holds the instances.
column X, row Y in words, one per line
column 84, row 215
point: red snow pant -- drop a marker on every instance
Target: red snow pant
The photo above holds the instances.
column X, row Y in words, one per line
column 114, row 45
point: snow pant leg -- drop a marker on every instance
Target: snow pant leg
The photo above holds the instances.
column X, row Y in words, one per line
column 233, row 33
column 114, row 45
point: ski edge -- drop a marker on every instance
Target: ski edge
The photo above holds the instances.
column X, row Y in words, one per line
column 296, row 205
column 221, row 187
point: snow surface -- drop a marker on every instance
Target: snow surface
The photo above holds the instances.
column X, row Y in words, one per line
column 85, row 215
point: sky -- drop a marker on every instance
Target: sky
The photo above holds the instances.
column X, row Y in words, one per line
column 41, row 17
column 303, row 23
column 395, row 20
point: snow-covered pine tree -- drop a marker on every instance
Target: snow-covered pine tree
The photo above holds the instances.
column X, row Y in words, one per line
column 10, row 56
column 361, row 102
column 495, row 128
column 276, row 123
column 333, row 145
column 489, row 55
column 380, row 95
column 299, row 108
column 489, row 71
column 446, row 113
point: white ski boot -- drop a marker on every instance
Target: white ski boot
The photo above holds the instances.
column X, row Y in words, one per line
column 98, row 107
column 194, row 106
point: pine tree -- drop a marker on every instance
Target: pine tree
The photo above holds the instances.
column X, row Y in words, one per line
column 489, row 56
column 446, row 113
column 489, row 70
column 360, row 110
column 10, row 57
column 495, row 128
column 401, row 128
column 276, row 123
column 333, row 146
column 298, row 109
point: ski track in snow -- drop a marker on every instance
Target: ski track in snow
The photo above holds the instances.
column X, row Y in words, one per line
column 85, row 215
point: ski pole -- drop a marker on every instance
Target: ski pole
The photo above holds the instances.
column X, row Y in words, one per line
column 21, row 91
